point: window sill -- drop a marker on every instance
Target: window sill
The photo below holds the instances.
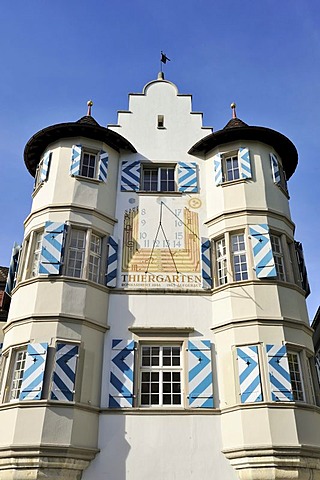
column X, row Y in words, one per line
column 234, row 182
column 36, row 190
column 87, row 179
column 161, row 330
column 161, row 411
column 145, row 192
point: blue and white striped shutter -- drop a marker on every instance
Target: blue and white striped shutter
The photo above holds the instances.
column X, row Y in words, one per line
column 200, row 374
column 75, row 160
column 52, row 248
column 32, row 381
column 206, row 263
column 262, row 251
column 13, row 268
column 103, row 166
column 45, row 166
column 279, row 374
column 112, row 263
column 1, row 346
column 275, row 168
column 130, row 176
column 217, row 165
column 249, row 374
column 64, row 375
column 187, row 177
column 302, row 268
column 244, row 162
column 121, row 374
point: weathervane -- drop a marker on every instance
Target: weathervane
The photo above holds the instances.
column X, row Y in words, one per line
column 164, row 59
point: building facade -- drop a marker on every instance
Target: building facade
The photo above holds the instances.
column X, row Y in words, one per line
column 158, row 325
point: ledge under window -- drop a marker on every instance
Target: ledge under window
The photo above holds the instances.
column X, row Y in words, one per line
column 161, row 330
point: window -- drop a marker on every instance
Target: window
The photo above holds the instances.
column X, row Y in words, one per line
column 160, row 375
column 230, row 168
column 158, row 179
column 240, row 267
column 94, row 257
column 35, row 261
column 84, row 254
column 17, row 374
column 42, row 170
column 295, row 376
column 76, row 253
column 37, row 178
column 88, row 164
column 278, row 256
column 221, row 254
column 160, row 121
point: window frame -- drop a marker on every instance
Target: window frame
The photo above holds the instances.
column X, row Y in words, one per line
column 159, row 167
column 295, row 373
column 221, row 260
column 37, row 178
column 86, row 253
column 161, row 369
column 10, row 376
column 90, row 152
column 239, row 253
column 27, row 264
column 228, row 258
column 233, row 157
column 278, row 256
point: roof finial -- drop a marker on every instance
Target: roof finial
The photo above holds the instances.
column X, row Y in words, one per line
column 89, row 103
column 234, row 113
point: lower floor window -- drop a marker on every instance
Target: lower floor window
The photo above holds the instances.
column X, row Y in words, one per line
column 84, row 252
column 160, row 375
column 295, row 376
column 17, row 374
column 278, row 256
column 239, row 257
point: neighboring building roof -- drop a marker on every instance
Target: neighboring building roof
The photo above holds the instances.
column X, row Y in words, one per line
column 86, row 126
column 3, row 274
column 236, row 129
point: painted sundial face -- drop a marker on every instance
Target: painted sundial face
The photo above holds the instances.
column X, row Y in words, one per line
column 161, row 244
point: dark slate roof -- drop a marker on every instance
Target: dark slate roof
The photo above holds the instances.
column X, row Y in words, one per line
column 3, row 274
column 237, row 130
column 235, row 122
column 86, row 126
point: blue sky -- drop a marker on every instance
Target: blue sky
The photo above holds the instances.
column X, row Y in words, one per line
column 265, row 56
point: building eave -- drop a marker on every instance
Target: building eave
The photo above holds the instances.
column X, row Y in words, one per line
column 281, row 144
column 39, row 142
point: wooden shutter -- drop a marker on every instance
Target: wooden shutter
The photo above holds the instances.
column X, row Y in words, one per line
column 45, row 166
column 244, row 162
column 262, row 251
column 52, row 248
column 75, row 160
column 200, row 374
column 32, row 380
column 249, row 374
column 64, row 375
column 121, row 374
column 279, row 374
column 187, row 177
column 103, row 166
column 217, row 165
column 130, row 175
